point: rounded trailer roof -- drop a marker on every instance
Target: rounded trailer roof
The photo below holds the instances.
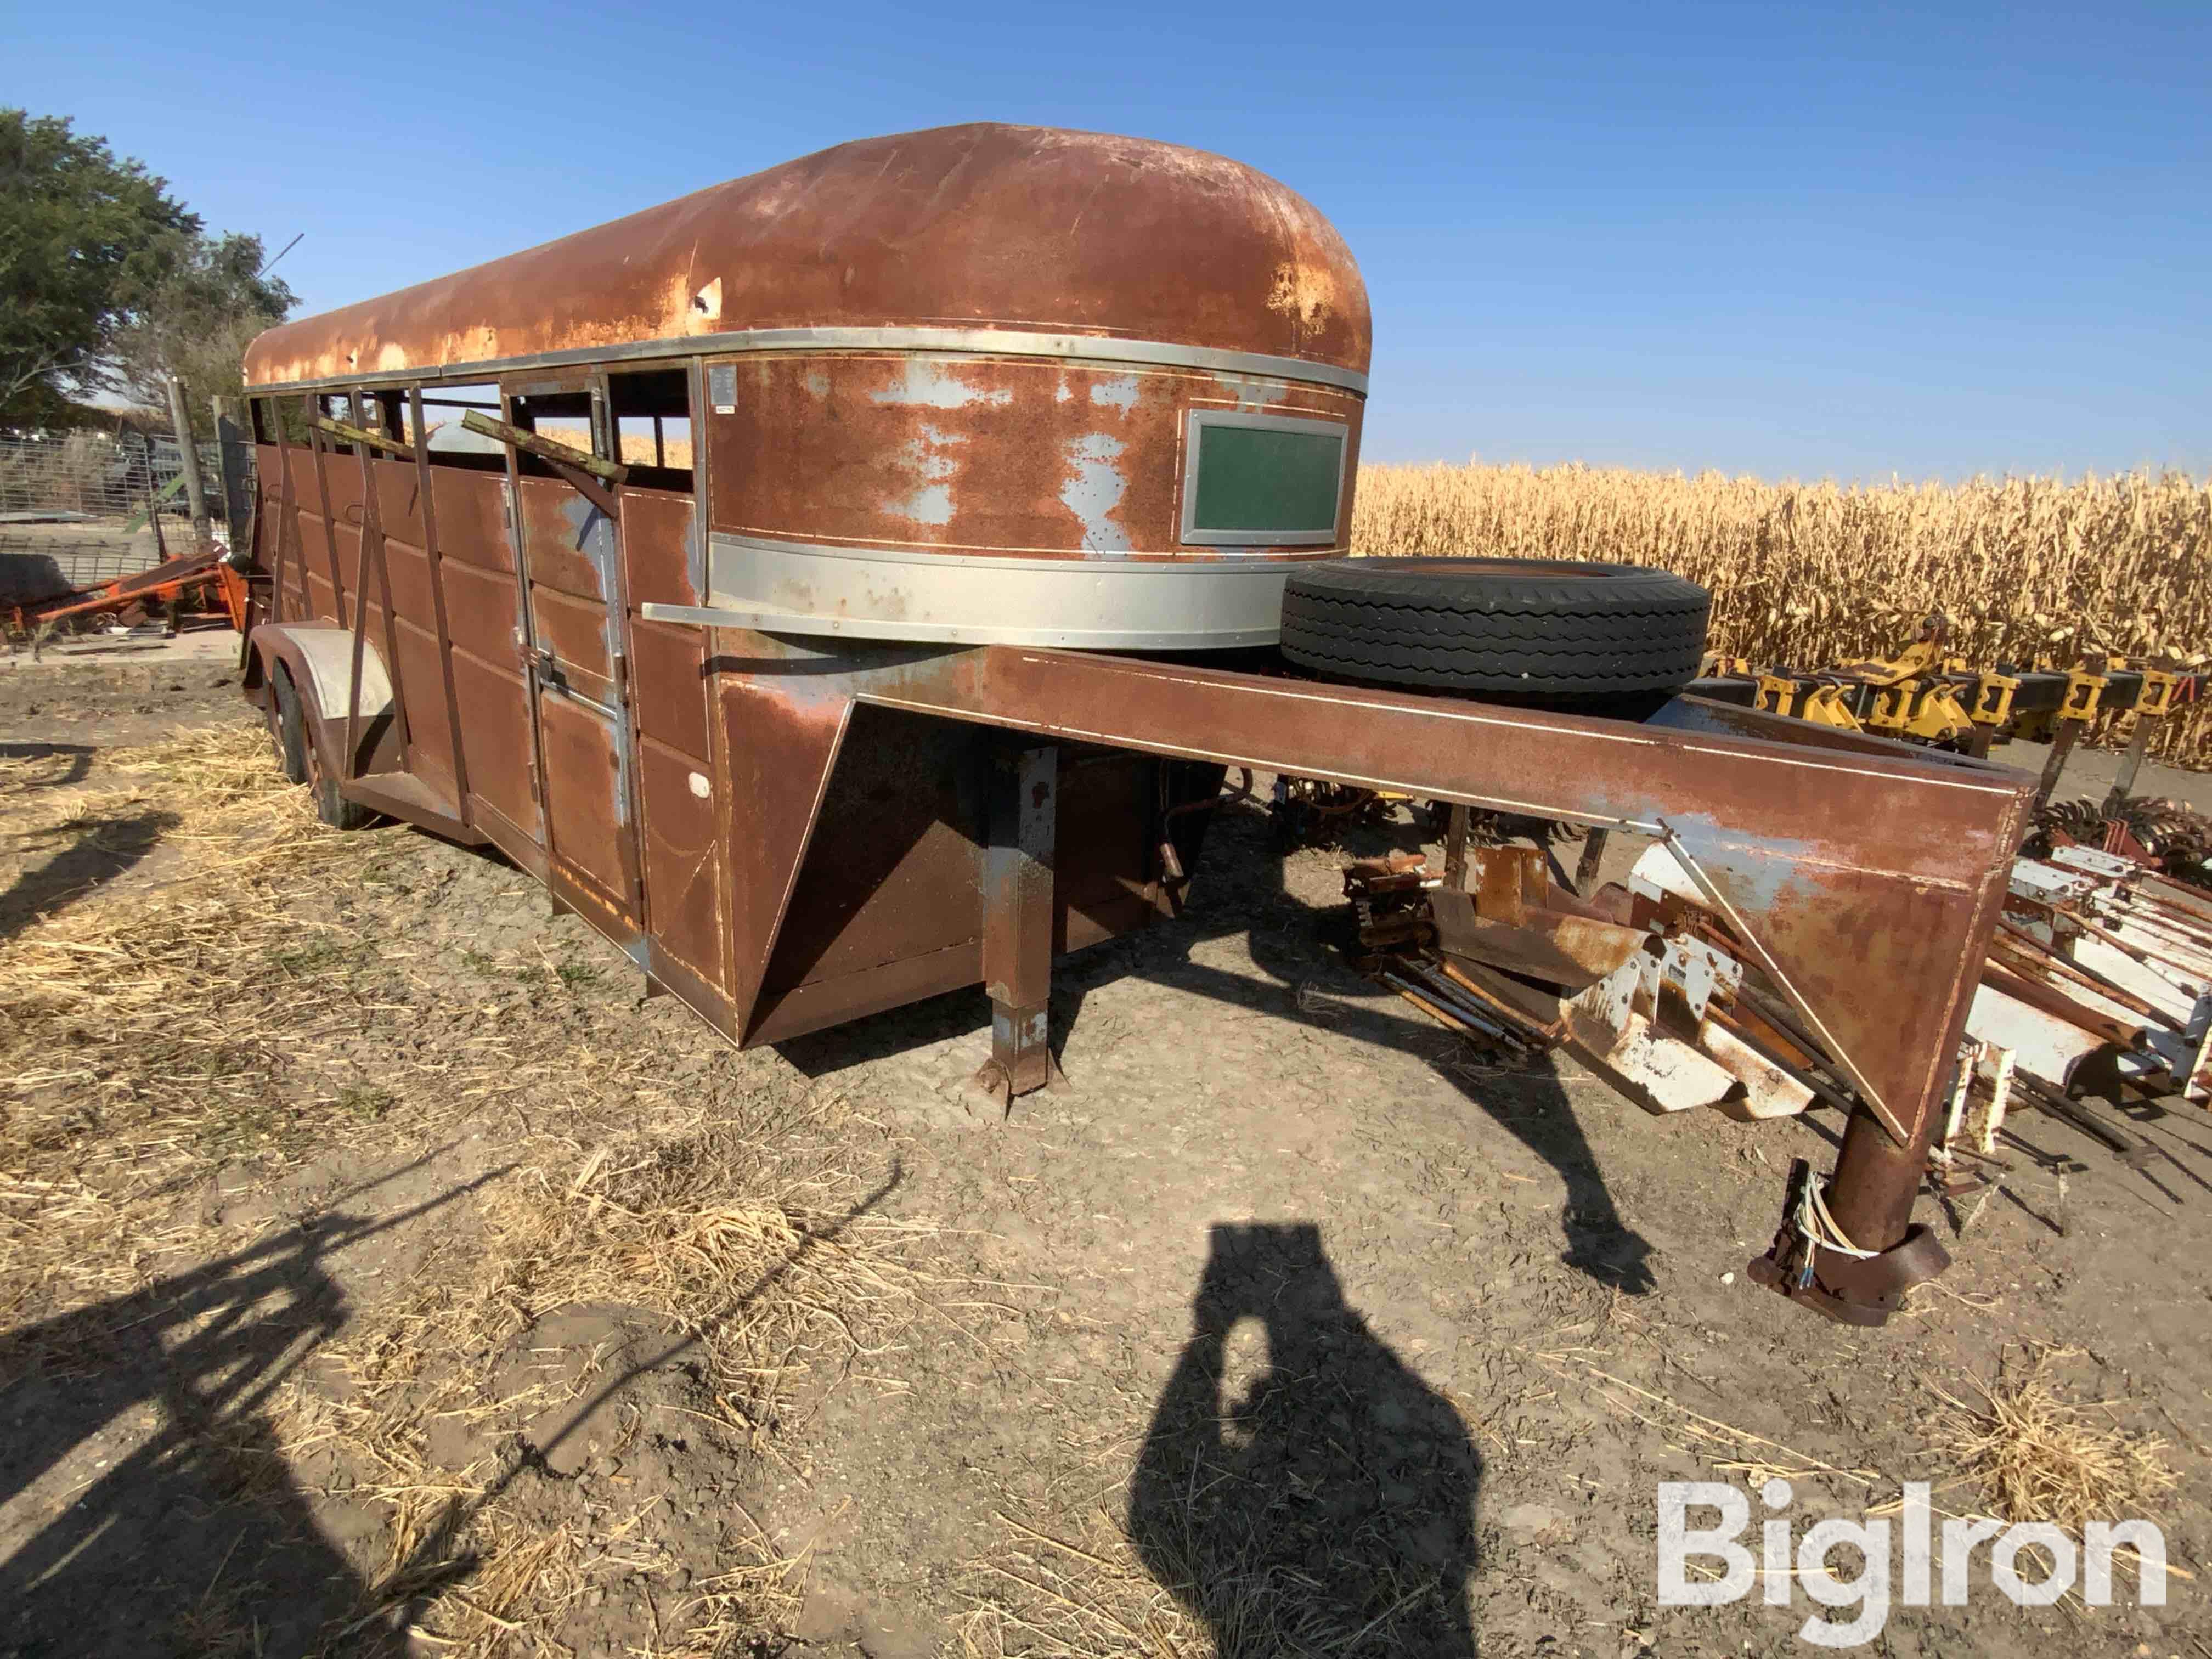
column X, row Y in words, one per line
column 1024, row 236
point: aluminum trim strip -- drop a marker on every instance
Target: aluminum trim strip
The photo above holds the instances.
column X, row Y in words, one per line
column 762, row 620
column 985, row 342
column 1184, row 563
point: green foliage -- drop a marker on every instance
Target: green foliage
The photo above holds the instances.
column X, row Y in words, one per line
column 82, row 235
column 109, row 282
column 196, row 321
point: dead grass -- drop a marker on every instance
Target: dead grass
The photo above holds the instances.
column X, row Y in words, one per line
column 1077, row 1593
column 133, row 1054
column 2032, row 1454
column 2039, row 1456
column 254, row 1001
column 772, row 1277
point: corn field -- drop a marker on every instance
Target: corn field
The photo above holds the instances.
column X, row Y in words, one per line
column 1812, row 576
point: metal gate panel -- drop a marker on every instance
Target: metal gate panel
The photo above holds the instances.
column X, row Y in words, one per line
column 428, row 730
column 663, row 552
column 496, row 740
column 679, row 809
column 477, row 566
column 480, row 617
column 575, row 632
column 668, row 687
column 587, row 793
column 682, row 857
column 569, row 556
column 471, row 507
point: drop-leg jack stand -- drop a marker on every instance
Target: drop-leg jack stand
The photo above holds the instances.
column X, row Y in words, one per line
column 1018, row 915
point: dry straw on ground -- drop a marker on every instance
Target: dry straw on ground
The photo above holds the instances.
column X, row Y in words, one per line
column 2040, row 1456
column 254, row 1001
column 1809, row 575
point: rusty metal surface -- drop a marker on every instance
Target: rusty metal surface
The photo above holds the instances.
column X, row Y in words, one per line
column 780, row 740
column 569, row 541
column 574, row 646
column 495, row 741
column 984, row 225
column 893, row 869
column 1571, row 952
column 315, row 594
column 1022, row 814
column 1874, row 876
column 586, row 799
column 683, row 859
column 856, row 840
column 980, row 455
column 668, row 688
column 1106, row 868
column 476, row 565
column 678, row 801
column 662, row 562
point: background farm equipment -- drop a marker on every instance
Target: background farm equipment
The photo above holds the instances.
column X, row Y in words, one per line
column 1923, row 696
column 2096, row 992
column 195, row 587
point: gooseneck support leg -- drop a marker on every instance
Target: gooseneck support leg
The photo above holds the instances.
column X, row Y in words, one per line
column 1852, row 1250
column 1024, row 809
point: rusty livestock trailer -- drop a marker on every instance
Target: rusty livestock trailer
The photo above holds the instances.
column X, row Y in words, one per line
column 848, row 583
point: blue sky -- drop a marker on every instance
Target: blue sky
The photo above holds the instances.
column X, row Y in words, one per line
column 1835, row 241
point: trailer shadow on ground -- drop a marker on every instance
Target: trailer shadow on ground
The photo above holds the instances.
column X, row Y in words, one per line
column 1305, row 951
column 193, row 1534
column 89, row 847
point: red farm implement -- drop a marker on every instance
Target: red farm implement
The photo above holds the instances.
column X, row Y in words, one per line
column 194, row 586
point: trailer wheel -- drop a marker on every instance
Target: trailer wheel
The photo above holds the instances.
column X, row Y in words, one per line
column 1552, row 631
column 286, row 730
column 331, row 807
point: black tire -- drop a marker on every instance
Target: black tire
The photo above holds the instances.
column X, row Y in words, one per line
column 295, row 747
column 335, row 810
column 287, row 730
column 1546, row 630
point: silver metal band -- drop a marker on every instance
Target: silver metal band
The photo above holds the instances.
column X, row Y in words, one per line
column 1094, row 605
column 730, row 549
column 856, row 628
column 990, row 342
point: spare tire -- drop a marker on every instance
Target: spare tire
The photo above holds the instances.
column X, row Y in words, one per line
column 1538, row 628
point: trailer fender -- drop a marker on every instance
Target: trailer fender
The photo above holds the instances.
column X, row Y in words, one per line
column 319, row 659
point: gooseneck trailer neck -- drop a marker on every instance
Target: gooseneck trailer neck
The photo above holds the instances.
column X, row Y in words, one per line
column 848, row 583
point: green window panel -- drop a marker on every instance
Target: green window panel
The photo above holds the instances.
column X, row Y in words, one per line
column 1259, row 479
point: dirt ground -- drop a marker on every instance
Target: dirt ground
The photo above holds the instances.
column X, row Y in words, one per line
column 381, row 1272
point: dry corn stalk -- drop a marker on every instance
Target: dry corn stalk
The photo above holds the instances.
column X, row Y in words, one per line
column 1807, row 575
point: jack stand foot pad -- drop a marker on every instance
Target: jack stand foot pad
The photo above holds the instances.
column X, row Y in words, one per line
column 992, row 1078
column 1863, row 1290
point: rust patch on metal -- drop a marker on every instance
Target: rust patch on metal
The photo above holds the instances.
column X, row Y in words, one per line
column 1872, row 877
column 973, row 454
column 966, row 225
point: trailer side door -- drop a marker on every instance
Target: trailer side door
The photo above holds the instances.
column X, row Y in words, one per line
column 572, row 624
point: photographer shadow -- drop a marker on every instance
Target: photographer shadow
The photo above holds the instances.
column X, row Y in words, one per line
column 1329, row 1507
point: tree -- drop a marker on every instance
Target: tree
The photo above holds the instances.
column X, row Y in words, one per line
column 84, row 236
column 195, row 321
